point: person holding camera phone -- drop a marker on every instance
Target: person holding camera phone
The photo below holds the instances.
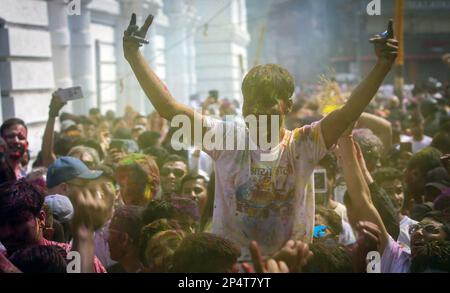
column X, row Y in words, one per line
column 59, row 99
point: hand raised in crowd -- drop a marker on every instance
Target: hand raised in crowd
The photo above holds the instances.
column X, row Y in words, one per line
column 55, row 105
column 295, row 254
column 93, row 205
column 134, row 36
column 362, row 164
column 368, row 236
column 386, row 46
column 368, row 240
column 269, row 266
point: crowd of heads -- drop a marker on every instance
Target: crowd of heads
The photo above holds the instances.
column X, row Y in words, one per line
column 160, row 217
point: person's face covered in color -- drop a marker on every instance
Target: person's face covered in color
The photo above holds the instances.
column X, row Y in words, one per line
column 16, row 141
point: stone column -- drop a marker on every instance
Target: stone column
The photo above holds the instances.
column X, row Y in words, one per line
column 221, row 47
column 60, row 38
column 180, row 49
column 81, row 58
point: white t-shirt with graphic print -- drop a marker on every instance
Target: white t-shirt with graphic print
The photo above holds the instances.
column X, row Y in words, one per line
column 266, row 201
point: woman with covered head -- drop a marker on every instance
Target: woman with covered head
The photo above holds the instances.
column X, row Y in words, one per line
column 138, row 178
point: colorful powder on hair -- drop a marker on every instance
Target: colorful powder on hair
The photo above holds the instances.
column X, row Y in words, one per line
column 330, row 99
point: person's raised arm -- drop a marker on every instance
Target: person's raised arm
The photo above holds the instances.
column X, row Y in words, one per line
column 48, row 157
column 379, row 126
column 361, row 205
column 338, row 121
column 154, row 88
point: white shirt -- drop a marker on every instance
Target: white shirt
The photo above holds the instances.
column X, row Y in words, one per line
column 266, row 201
column 341, row 210
column 404, row 238
column 201, row 164
column 395, row 259
column 417, row 145
column 347, row 236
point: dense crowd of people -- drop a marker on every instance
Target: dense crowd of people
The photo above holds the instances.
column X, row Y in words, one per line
column 351, row 175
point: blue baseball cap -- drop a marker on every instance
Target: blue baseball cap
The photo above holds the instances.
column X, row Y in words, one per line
column 61, row 207
column 67, row 168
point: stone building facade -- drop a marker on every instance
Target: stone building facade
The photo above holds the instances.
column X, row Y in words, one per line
column 195, row 46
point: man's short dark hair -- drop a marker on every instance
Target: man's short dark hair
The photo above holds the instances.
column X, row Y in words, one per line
column 40, row 259
column 268, row 83
column 192, row 176
column 148, row 139
column 139, row 117
column 174, row 158
column 94, row 111
column 158, row 209
column 442, row 142
column 205, row 253
column 151, row 229
column 85, row 120
column 158, row 153
column 122, row 133
column 387, row 174
column 425, row 160
column 19, row 201
column 110, row 115
column 433, row 257
column 92, row 144
column 214, row 94
column 10, row 123
column 129, row 220
column 329, row 258
column 333, row 219
column 63, row 145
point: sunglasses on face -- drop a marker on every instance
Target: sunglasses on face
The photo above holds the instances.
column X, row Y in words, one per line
column 428, row 228
column 177, row 172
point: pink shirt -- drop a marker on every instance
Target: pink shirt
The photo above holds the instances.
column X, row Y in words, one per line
column 98, row 267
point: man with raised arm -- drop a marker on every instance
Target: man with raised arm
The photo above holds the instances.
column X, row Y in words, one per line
column 266, row 200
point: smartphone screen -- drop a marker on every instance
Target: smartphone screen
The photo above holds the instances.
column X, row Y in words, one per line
column 406, row 147
column 320, row 181
column 70, row 94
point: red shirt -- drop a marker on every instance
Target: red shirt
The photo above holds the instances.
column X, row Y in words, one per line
column 98, row 267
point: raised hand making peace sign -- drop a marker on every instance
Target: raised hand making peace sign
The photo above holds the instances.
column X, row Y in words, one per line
column 134, row 37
